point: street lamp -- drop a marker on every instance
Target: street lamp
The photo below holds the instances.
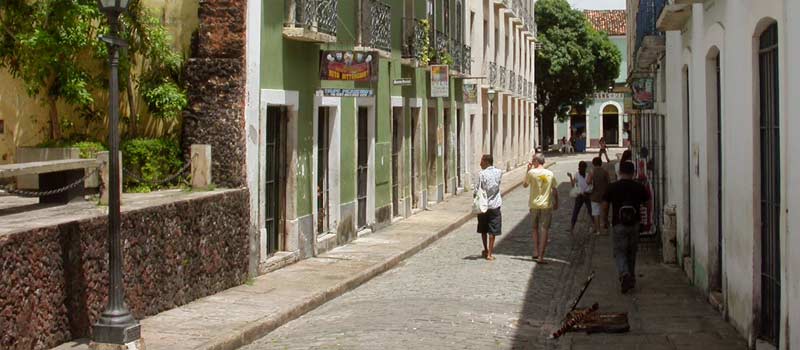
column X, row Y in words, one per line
column 492, row 95
column 540, row 124
column 116, row 325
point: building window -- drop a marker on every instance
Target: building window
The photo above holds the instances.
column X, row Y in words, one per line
column 323, row 183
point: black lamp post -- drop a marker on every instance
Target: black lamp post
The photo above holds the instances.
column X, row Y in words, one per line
column 116, row 324
column 492, row 94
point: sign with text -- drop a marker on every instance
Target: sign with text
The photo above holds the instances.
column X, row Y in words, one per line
column 608, row 95
column 402, row 82
column 470, row 93
column 440, row 81
column 347, row 92
column 643, row 93
column 349, row 65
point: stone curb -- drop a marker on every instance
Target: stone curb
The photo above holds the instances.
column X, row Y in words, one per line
column 260, row 328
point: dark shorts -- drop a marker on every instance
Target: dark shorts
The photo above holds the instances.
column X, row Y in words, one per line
column 490, row 222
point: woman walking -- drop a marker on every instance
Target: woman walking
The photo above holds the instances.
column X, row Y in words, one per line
column 603, row 149
column 584, row 192
column 490, row 222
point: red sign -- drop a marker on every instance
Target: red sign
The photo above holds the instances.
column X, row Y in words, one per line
column 348, row 65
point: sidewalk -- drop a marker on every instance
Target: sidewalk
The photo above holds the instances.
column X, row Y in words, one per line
column 664, row 311
column 239, row 315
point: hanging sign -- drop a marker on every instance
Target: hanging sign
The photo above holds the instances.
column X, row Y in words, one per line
column 402, row 82
column 348, row 65
column 642, row 93
column 348, row 92
column 440, row 81
column 470, row 93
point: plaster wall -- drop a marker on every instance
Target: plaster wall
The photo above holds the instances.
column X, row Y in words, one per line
column 25, row 118
column 791, row 239
column 733, row 28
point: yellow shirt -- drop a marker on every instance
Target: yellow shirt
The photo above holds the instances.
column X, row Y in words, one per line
column 542, row 183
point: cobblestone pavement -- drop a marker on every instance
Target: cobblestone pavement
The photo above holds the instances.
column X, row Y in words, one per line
column 447, row 297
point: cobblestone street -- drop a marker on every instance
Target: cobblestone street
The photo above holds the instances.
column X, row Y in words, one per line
column 447, row 297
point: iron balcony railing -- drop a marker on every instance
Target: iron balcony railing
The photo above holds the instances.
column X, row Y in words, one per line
column 467, row 64
column 442, row 44
column 502, row 80
column 512, row 81
column 493, row 76
column 376, row 25
column 316, row 15
column 646, row 19
column 458, row 56
column 520, row 85
column 415, row 36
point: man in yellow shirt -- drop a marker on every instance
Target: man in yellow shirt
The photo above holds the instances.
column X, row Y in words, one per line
column 543, row 200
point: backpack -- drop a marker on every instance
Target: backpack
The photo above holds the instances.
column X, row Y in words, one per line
column 628, row 214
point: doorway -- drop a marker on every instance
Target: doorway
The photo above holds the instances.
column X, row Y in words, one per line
column 397, row 148
column 416, row 148
column 714, row 98
column 687, row 226
column 274, row 177
column 769, row 140
column 448, row 159
column 459, row 149
column 610, row 116
column 323, row 170
column 362, row 166
column 433, row 145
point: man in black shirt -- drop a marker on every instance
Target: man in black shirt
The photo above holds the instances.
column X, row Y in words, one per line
column 626, row 197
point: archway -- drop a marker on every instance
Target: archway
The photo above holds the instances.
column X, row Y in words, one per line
column 610, row 124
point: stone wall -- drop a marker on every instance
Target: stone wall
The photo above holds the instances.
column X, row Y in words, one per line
column 55, row 283
column 216, row 87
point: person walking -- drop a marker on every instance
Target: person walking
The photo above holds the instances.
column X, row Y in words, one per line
column 584, row 192
column 627, row 156
column 625, row 197
column 599, row 179
column 603, row 149
column 542, row 201
column 490, row 223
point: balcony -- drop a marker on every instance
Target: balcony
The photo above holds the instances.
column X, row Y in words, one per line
column 311, row 20
column 512, row 81
column 674, row 17
column 442, row 46
column 520, row 86
column 650, row 42
column 467, row 64
column 376, row 27
column 493, row 75
column 502, row 77
column 416, row 42
column 458, row 56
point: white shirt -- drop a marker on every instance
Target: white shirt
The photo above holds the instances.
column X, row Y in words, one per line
column 489, row 180
column 582, row 184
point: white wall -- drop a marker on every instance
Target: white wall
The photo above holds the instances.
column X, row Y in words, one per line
column 791, row 240
column 729, row 26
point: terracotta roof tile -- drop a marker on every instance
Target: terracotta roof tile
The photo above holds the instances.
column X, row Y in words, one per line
column 613, row 22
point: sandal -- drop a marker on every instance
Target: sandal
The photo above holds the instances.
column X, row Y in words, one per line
column 484, row 254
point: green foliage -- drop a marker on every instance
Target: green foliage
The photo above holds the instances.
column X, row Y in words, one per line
column 88, row 149
column 427, row 50
column 151, row 160
column 52, row 47
column 574, row 61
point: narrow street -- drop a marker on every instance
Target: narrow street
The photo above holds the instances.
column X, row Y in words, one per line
column 448, row 297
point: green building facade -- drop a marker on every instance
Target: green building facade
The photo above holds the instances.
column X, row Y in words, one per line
column 333, row 166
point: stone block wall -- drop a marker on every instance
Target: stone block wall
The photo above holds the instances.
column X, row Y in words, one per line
column 55, row 279
column 215, row 76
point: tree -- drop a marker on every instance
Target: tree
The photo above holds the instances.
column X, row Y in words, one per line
column 53, row 47
column 573, row 62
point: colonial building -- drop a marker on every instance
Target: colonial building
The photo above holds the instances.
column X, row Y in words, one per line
column 605, row 117
column 361, row 113
column 726, row 85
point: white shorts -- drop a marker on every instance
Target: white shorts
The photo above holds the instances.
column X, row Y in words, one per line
column 596, row 208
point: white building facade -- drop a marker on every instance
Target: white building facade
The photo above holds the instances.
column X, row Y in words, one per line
column 501, row 34
column 728, row 85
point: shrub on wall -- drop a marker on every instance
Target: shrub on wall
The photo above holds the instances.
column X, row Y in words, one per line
column 88, row 149
column 148, row 161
